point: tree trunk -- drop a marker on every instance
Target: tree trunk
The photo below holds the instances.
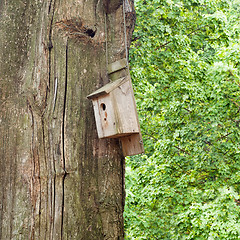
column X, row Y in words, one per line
column 57, row 179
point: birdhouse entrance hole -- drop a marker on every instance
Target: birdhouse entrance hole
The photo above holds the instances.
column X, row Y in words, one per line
column 103, row 106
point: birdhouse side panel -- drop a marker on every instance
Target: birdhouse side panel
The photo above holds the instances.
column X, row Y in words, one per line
column 127, row 115
column 97, row 118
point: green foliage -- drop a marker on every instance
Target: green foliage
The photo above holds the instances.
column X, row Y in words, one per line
column 185, row 68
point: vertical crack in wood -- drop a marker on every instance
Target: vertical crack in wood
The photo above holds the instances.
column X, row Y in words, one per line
column 53, row 200
column 40, row 195
column 63, row 138
column 50, row 6
column 53, row 206
column 51, row 9
column 64, row 107
column 50, row 45
column 35, row 187
column 46, row 167
column 32, row 232
column 63, row 179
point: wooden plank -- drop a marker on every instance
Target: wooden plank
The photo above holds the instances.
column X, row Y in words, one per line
column 119, row 74
column 107, row 88
column 123, row 102
column 132, row 145
column 116, row 66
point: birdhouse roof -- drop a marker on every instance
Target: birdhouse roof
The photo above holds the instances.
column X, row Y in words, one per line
column 107, row 88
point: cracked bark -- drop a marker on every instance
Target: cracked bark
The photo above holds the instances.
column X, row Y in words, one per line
column 57, row 179
column 63, row 140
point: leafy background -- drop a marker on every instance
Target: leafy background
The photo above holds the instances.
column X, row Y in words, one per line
column 184, row 60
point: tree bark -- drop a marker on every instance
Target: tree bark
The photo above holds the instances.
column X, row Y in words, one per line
column 57, row 179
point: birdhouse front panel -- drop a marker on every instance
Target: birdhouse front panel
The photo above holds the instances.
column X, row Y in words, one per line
column 104, row 116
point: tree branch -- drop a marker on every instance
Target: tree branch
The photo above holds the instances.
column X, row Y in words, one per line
column 163, row 45
column 224, row 136
column 150, row 136
column 196, row 30
column 136, row 38
column 182, row 150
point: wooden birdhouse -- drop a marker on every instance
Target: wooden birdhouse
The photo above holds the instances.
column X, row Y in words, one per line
column 116, row 115
column 114, row 110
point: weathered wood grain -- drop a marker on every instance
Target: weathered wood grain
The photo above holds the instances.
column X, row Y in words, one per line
column 57, row 179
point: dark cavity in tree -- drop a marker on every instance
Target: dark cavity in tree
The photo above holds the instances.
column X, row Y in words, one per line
column 90, row 32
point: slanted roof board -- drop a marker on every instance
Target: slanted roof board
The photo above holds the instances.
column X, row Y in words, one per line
column 107, row 88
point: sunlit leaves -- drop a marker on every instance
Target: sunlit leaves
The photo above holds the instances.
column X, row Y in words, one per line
column 185, row 68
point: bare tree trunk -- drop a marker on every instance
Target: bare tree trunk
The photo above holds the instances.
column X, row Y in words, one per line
column 57, row 179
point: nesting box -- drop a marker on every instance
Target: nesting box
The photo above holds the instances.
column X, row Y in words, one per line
column 114, row 110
